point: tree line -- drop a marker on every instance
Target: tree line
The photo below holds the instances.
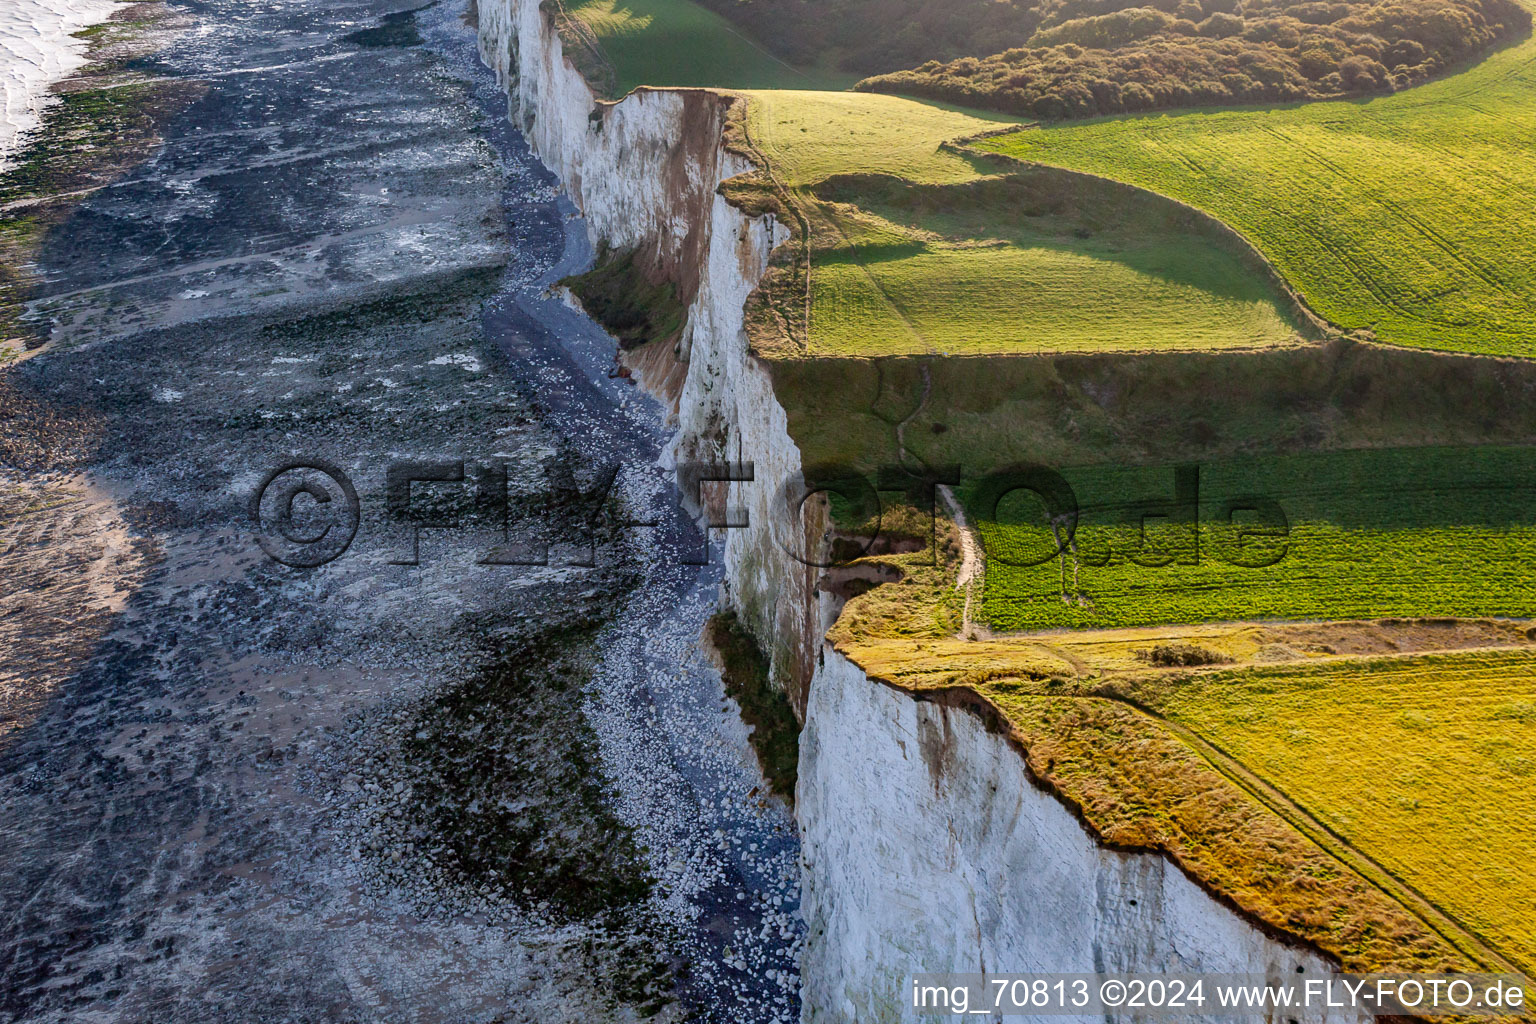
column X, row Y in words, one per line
column 1055, row 59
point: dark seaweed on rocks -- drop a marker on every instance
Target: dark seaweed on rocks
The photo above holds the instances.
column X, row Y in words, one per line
column 509, row 776
column 393, row 30
column 505, row 798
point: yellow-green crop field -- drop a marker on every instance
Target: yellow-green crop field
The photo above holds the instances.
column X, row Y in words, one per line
column 1349, row 535
column 1410, row 215
column 1426, row 765
column 810, row 136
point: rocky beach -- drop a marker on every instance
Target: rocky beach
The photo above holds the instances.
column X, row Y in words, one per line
column 476, row 767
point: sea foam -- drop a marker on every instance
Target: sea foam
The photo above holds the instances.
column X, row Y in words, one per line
column 37, row 48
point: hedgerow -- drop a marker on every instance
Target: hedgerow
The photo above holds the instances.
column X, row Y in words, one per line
column 1079, row 58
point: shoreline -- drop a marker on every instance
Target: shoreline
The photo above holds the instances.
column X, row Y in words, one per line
column 724, row 858
column 111, row 117
column 40, row 48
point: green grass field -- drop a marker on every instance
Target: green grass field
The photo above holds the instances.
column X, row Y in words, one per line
column 810, row 136
column 1426, row 532
column 1409, row 215
column 677, row 43
column 1425, row 765
column 1002, row 284
column 954, row 274
column 1048, row 297
column 1024, row 266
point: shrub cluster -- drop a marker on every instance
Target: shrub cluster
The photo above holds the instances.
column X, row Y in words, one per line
column 1182, row 655
column 1180, row 53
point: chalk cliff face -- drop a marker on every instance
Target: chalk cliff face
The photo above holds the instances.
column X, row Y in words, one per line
column 644, row 173
column 927, row 847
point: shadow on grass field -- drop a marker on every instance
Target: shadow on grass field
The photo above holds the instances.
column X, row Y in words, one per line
column 1038, row 262
column 1396, row 483
column 983, row 413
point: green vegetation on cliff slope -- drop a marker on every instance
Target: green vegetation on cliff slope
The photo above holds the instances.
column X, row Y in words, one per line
column 1116, row 59
column 1074, row 58
column 744, row 670
column 618, row 294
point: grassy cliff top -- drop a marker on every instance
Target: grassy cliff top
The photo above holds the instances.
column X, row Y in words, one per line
column 1403, row 217
column 810, row 136
column 912, row 241
column 1035, row 265
column 1409, row 215
column 912, row 247
column 1092, row 654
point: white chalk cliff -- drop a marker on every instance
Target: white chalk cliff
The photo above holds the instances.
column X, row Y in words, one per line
column 927, row 847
